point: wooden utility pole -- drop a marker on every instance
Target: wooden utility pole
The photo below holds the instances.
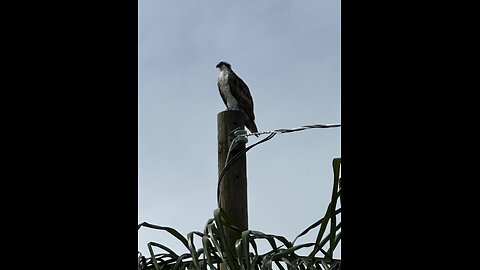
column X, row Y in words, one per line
column 233, row 187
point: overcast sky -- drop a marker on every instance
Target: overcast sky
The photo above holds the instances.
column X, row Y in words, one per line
column 288, row 53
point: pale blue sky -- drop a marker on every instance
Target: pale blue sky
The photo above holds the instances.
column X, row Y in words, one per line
column 288, row 53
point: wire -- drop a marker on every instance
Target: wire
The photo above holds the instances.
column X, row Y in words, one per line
column 235, row 159
column 284, row 130
column 235, row 142
column 272, row 134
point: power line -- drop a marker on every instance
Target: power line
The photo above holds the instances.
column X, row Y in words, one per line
column 285, row 130
column 241, row 136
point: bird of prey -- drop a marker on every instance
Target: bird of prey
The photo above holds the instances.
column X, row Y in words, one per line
column 235, row 94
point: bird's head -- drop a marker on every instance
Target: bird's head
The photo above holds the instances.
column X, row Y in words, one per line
column 223, row 64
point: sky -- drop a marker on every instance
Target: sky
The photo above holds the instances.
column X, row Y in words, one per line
column 288, row 53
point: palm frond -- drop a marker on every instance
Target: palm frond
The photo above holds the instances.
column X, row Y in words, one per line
column 215, row 250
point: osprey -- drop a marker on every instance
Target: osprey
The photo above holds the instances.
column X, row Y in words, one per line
column 235, row 94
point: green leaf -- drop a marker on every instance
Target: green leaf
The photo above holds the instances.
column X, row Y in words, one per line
column 291, row 265
column 318, row 222
column 191, row 247
column 172, row 231
column 246, row 248
column 179, row 264
column 215, row 248
column 152, row 256
column 291, row 250
column 170, row 253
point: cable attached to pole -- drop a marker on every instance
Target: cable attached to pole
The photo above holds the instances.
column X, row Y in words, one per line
column 241, row 136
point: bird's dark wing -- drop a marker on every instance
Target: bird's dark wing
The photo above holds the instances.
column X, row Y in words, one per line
column 240, row 91
column 223, row 96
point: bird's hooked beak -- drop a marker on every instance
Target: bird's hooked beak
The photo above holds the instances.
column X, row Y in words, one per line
column 222, row 64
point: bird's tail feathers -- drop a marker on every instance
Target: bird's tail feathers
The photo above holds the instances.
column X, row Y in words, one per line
column 252, row 127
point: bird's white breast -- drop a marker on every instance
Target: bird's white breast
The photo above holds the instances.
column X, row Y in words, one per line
column 223, row 78
column 232, row 103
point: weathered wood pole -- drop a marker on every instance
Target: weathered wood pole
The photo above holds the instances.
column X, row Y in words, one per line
column 233, row 187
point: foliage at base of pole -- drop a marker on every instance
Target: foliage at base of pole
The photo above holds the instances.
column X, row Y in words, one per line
column 215, row 255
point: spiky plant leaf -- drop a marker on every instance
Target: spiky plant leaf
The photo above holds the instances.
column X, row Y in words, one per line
column 172, row 231
column 215, row 248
